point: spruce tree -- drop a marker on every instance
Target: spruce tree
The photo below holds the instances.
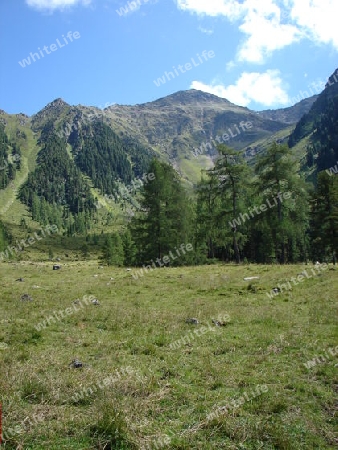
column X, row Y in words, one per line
column 227, row 190
column 164, row 219
column 112, row 250
column 283, row 225
column 324, row 215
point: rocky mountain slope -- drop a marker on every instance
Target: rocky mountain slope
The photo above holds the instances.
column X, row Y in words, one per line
column 183, row 128
column 317, row 131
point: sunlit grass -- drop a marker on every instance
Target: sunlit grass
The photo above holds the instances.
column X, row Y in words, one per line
column 165, row 396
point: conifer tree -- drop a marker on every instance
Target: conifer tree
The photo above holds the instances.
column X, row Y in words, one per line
column 112, row 250
column 164, row 219
column 284, row 223
column 324, row 215
column 226, row 189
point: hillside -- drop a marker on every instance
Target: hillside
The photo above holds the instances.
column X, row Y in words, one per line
column 109, row 148
column 317, row 131
column 292, row 114
column 174, row 127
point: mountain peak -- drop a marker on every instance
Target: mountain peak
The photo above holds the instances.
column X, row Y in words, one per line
column 191, row 96
column 58, row 102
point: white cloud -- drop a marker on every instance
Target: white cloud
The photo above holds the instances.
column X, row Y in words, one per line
column 229, row 8
column 52, row 5
column 318, row 19
column 264, row 88
column 270, row 25
column 265, row 33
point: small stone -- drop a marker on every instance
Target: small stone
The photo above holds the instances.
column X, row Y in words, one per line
column 76, row 364
column 218, row 323
column 192, row 320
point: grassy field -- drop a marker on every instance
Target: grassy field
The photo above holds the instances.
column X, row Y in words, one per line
column 244, row 385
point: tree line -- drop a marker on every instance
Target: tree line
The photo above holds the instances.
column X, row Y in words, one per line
column 264, row 214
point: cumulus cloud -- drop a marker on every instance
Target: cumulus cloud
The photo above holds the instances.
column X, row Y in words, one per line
column 51, row 5
column 265, row 34
column 270, row 25
column 318, row 19
column 263, row 88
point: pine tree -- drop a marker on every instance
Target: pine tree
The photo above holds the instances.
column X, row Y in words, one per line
column 164, row 219
column 324, row 215
column 207, row 207
column 227, row 188
column 112, row 250
column 129, row 248
column 4, row 237
column 285, row 222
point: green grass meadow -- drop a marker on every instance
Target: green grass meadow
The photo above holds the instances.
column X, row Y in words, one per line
column 143, row 392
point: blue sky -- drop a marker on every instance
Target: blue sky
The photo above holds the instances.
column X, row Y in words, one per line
column 266, row 53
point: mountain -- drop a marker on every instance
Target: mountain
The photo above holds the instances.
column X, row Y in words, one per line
column 317, row 131
column 176, row 127
column 99, row 150
column 180, row 128
column 292, row 114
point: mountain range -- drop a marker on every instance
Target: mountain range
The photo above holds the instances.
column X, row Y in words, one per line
column 172, row 128
column 68, row 156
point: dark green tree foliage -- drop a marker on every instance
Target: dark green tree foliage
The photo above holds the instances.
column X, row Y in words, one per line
column 281, row 229
column 7, row 169
column 140, row 156
column 207, row 229
column 129, row 248
column 222, row 198
column 163, row 222
column 56, row 191
column 324, row 218
column 232, row 175
column 16, row 154
column 321, row 124
column 4, row 237
column 230, row 221
column 112, row 250
column 101, row 155
column 325, row 137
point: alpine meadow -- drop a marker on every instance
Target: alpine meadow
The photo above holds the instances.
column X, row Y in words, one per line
column 169, row 261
